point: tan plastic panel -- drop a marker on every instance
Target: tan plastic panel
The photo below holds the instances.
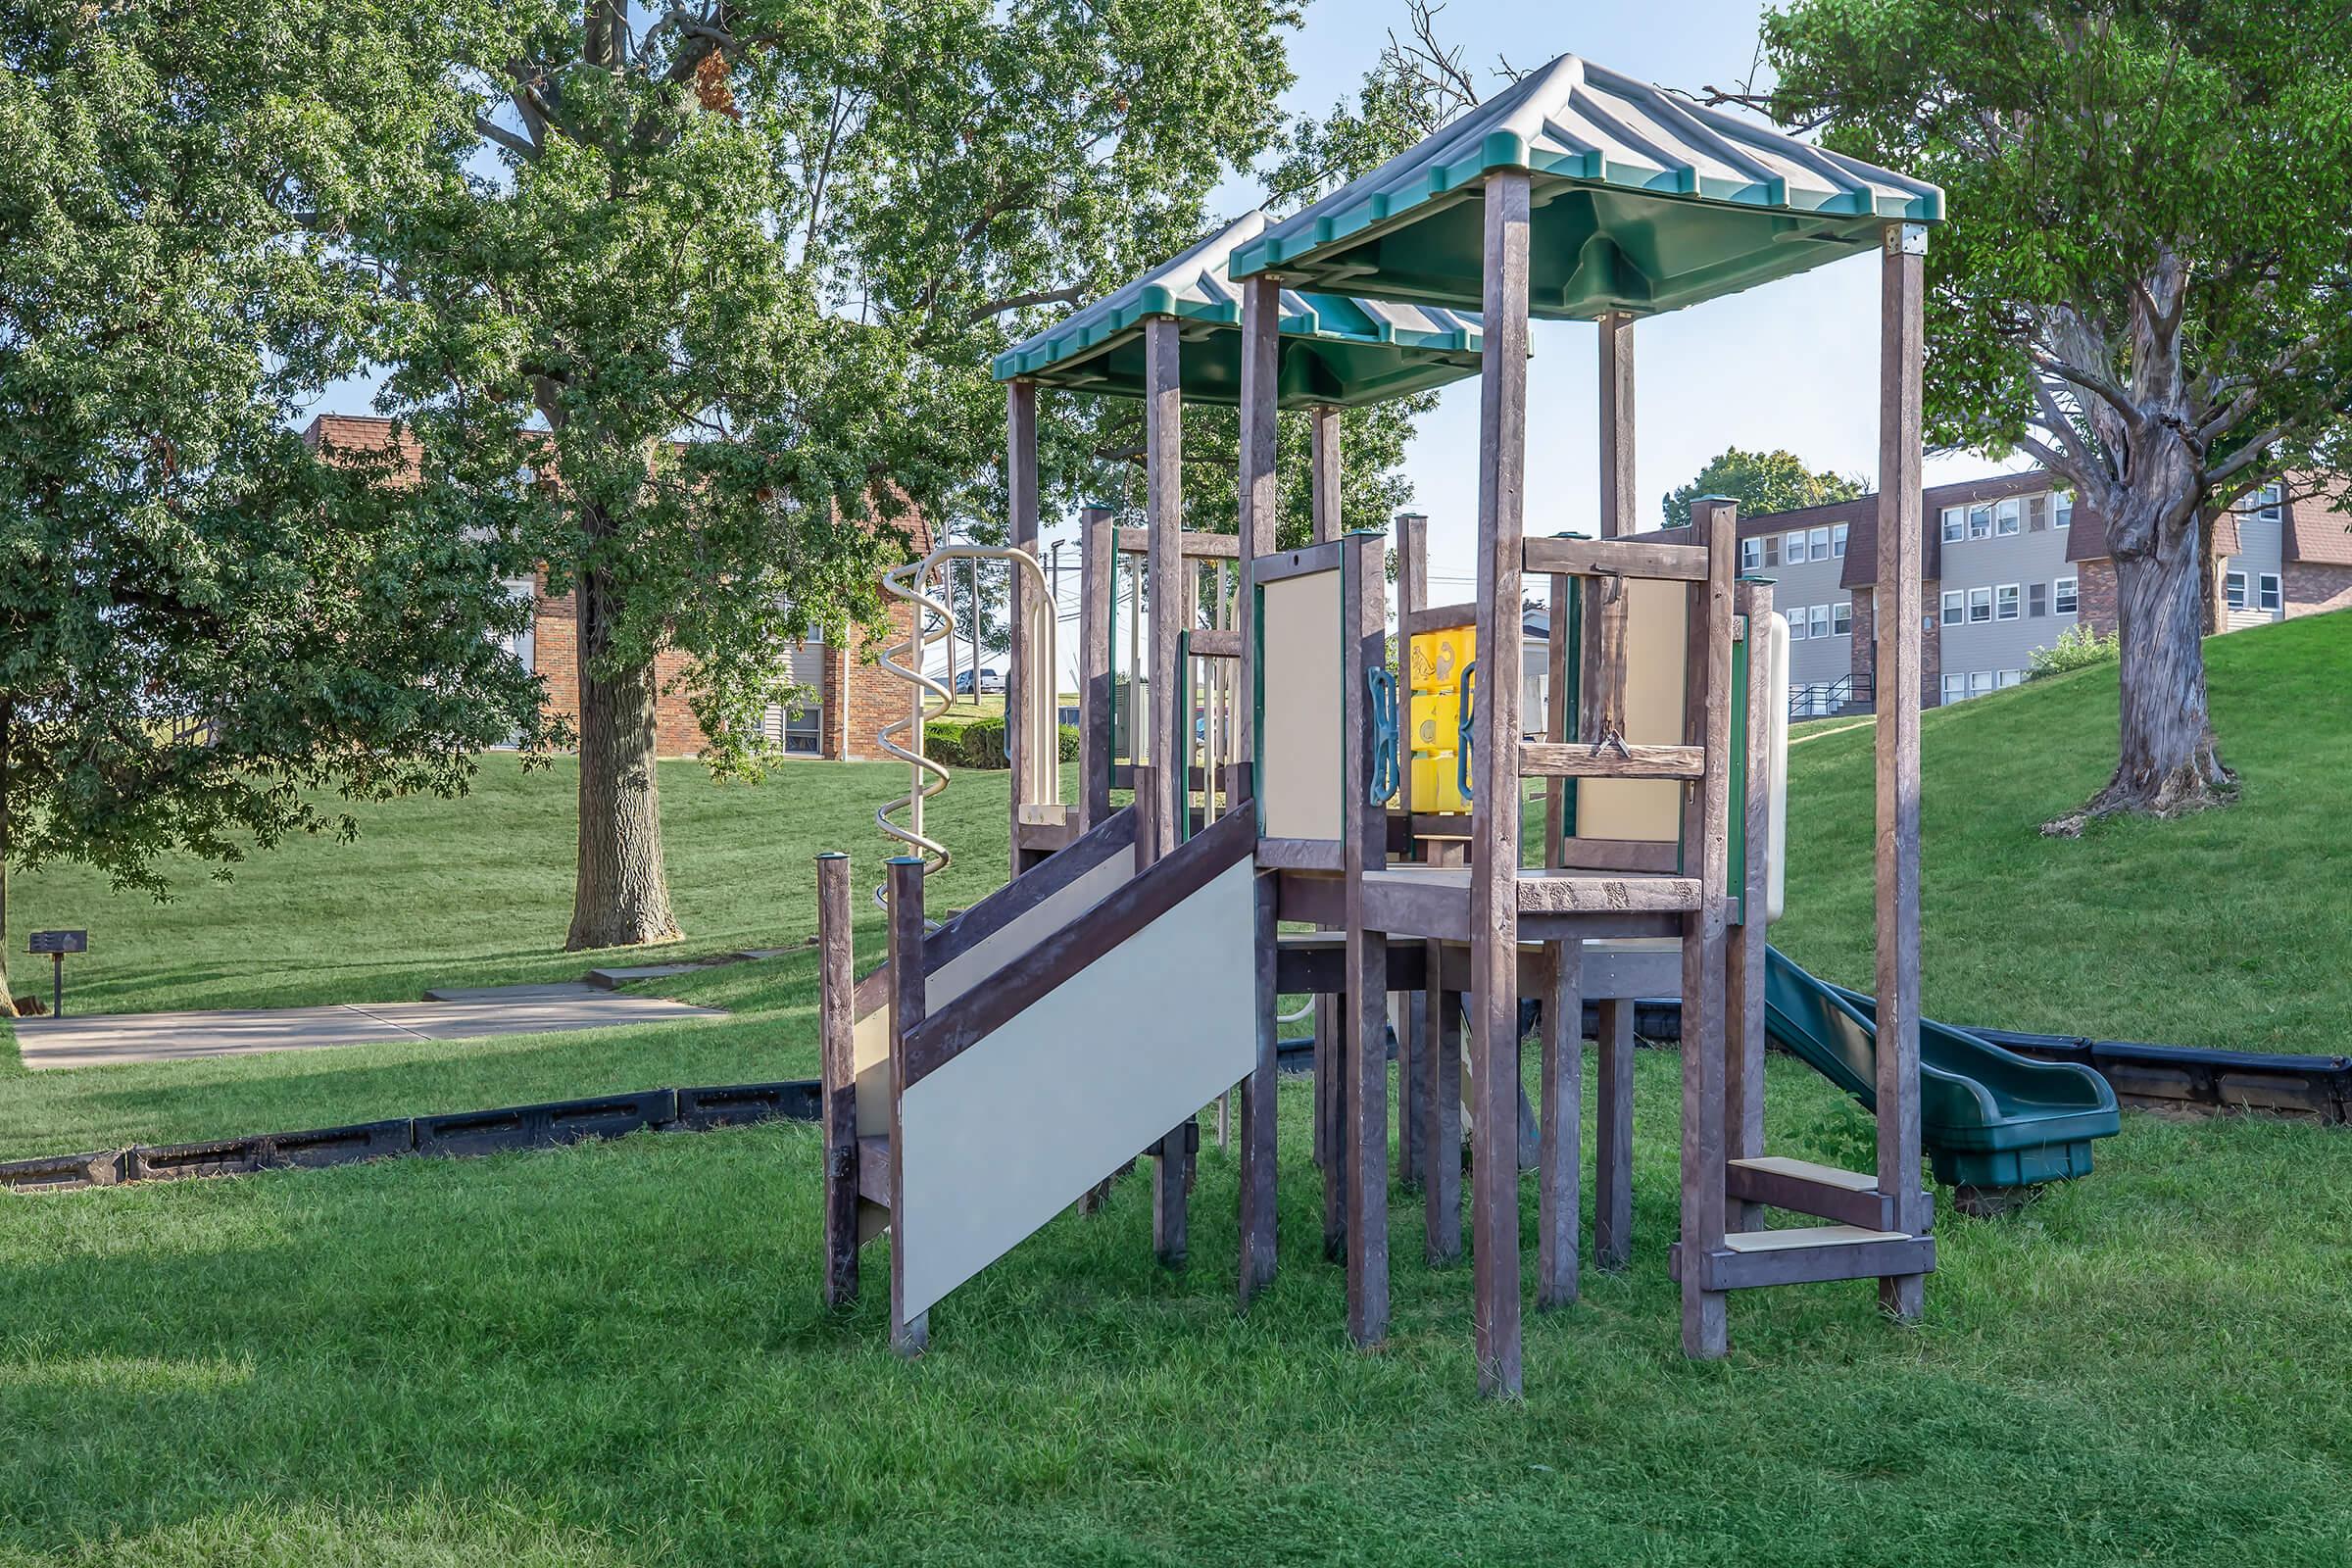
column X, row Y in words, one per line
column 1298, row 757
column 1654, row 653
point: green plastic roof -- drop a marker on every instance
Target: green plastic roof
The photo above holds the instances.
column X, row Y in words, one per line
column 1641, row 203
column 1331, row 349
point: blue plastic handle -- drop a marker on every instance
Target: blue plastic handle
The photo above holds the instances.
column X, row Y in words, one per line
column 1461, row 748
column 1382, row 682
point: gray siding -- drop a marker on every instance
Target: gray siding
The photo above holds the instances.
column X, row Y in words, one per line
column 2261, row 548
column 1797, row 588
column 2027, row 559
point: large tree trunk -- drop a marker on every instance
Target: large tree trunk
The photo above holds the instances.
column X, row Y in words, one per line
column 621, row 894
column 8, row 736
column 2168, row 763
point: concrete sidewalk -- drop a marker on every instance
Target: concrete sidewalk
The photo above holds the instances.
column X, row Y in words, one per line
column 106, row 1038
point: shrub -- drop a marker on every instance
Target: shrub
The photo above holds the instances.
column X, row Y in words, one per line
column 1069, row 743
column 979, row 743
column 2076, row 647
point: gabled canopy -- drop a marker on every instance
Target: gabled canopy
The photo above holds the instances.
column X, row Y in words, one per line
column 1331, row 350
column 1642, row 203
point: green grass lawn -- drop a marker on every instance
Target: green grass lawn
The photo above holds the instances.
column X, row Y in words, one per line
column 614, row 1354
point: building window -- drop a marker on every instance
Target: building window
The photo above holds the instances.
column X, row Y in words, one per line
column 2062, row 509
column 2038, row 599
column 2268, row 504
column 2005, row 597
column 1797, row 621
column 1955, row 525
column 1771, row 550
column 1838, row 541
column 2236, row 591
column 1979, row 604
column 1980, row 522
column 2005, row 517
column 793, row 729
column 1820, row 538
column 2062, row 599
column 2267, row 587
column 1820, row 620
column 1955, row 688
column 1842, row 618
column 2011, row 677
column 1956, row 607
column 1751, row 553
column 1980, row 682
column 2038, row 513
column 1794, row 552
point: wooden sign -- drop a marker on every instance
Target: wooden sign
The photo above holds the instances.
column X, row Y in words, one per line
column 60, row 942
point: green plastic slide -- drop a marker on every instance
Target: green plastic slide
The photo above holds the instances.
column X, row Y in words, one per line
column 1989, row 1117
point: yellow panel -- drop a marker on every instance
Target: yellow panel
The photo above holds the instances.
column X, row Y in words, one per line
column 1300, row 770
column 1645, row 809
column 1437, row 722
column 1439, row 656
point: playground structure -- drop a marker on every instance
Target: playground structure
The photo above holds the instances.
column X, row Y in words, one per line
column 998, row 1069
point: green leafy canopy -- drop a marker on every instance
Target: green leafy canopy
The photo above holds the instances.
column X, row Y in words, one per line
column 1761, row 483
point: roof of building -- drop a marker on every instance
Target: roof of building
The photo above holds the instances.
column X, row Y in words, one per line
column 2316, row 530
column 1643, row 202
column 1331, row 350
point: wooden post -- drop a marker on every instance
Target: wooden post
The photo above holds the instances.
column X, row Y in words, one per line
column 1441, row 1143
column 1412, row 1043
column 1563, row 1087
column 1259, row 500
column 1901, row 346
column 837, row 984
column 1743, row 1064
column 1363, row 616
column 1495, row 786
column 1331, row 1062
column 1613, row 1142
column 1021, row 681
column 908, row 1335
column 1098, row 583
column 1163, row 442
column 1707, row 724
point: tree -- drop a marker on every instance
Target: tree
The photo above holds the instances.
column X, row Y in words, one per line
column 1761, row 483
column 203, row 627
column 2143, row 284
column 734, row 287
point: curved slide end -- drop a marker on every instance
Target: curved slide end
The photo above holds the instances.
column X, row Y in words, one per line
column 1988, row 1116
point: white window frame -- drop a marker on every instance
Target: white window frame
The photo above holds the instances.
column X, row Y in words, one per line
column 1771, row 550
column 2066, row 596
column 1817, row 542
column 1955, row 525
column 1838, row 541
column 2008, row 602
column 1979, row 599
column 1842, row 618
column 1792, row 548
column 2270, row 503
column 2007, row 518
column 1955, row 689
column 2009, row 679
column 1980, row 683
column 2038, row 599
column 1979, row 521
column 1820, row 620
column 2062, row 509
column 2234, row 590
column 2268, row 591
column 1955, row 607
column 1796, row 623
column 1751, row 553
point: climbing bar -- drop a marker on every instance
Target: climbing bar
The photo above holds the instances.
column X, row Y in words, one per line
column 1618, row 557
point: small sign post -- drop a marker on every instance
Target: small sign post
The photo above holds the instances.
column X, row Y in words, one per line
column 57, row 944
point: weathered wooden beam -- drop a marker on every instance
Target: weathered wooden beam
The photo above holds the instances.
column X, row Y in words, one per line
column 1494, row 836
column 1436, row 617
column 1020, row 684
column 1259, row 500
column 1560, row 1150
column 1167, row 748
column 1625, row 759
column 1192, row 546
column 1707, row 724
column 1098, row 582
column 1839, row 1257
column 1414, row 1043
column 1209, row 642
column 1606, row 894
column 908, row 1335
column 1614, row 557
column 1363, row 617
column 1902, row 350
column 1613, row 1137
column 1441, row 1139
column 837, row 985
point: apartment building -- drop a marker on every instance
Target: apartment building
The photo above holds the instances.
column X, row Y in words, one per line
column 2010, row 563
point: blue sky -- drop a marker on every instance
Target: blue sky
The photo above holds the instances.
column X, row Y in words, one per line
column 1793, row 364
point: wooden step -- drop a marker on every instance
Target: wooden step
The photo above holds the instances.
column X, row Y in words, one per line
column 1807, row 1256
column 1801, row 1187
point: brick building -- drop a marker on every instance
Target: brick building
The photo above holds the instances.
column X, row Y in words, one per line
column 854, row 696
